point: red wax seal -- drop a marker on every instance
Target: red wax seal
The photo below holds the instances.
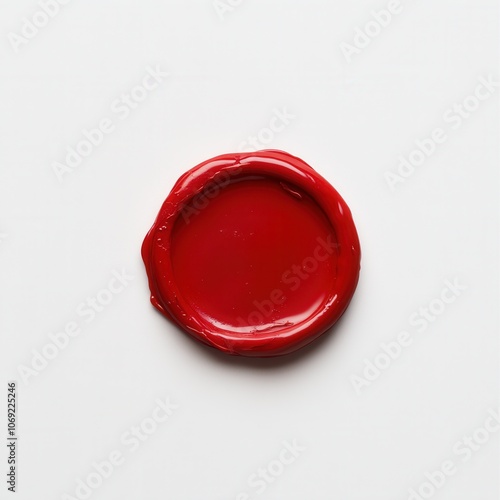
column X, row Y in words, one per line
column 254, row 254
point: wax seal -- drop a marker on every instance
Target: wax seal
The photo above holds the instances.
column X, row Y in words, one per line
column 254, row 254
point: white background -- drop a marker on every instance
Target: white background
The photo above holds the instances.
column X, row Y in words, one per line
column 60, row 243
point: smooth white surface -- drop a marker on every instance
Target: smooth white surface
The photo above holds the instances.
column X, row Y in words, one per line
column 61, row 242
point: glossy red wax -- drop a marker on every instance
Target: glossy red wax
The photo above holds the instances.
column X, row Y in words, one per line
column 254, row 254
